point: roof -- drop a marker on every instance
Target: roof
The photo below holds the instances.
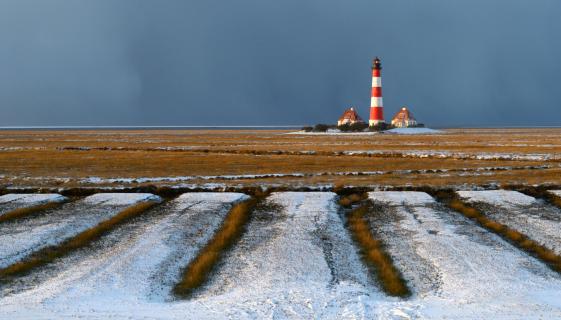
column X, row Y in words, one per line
column 350, row 114
column 403, row 115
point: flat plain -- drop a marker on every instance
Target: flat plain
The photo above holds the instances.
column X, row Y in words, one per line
column 270, row 157
column 259, row 224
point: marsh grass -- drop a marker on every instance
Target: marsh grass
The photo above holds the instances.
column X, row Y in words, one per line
column 51, row 253
column 373, row 253
column 25, row 212
column 199, row 269
column 348, row 200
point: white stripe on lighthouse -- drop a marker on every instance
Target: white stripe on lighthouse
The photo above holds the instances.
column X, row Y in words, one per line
column 376, row 82
column 376, row 102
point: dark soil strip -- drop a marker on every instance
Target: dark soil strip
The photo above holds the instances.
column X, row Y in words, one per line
column 518, row 239
column 24, row 212
column 374, row 254
column 197, row 273
column 83, row 239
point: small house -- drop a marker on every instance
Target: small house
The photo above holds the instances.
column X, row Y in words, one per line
column 404, row 119
column 350, row 116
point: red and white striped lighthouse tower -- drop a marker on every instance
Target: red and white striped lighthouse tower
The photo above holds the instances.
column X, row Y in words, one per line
column 376, row 105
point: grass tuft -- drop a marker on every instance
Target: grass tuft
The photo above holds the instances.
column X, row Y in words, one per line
column 348, row 200
column 51, row 253
column 198, row 271
column 24, row 212
column 373, row 253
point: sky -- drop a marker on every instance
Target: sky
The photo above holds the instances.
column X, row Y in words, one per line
column 270, row 62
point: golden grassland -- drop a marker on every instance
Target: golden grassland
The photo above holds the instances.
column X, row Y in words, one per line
column 42, row 158
column 51, row 253
column 513, row 236
column 198, row 270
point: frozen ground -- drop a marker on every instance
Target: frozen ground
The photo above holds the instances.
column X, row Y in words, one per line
column 458, row 270
column 20, row 238
column 392, row 131
column 295, row 261
column 12, row 201
column 538, row 220
column 505, row 198
column 414, row 131
column 133, row 269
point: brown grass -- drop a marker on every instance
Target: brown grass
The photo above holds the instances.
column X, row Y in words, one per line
column 373, row 253
column 348, row 200
column 198, row 271
column 51, row 253
column 42, row 154
column 24, row 212
column 515, row 237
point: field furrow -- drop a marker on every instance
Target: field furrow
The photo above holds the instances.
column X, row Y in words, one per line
column 446, row 257
column 141, row 260
column 295, row 260
column 20, row 238
column 534, row 218
column 14, row 201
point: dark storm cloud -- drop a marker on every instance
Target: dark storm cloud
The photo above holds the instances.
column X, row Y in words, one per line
column 244, row 62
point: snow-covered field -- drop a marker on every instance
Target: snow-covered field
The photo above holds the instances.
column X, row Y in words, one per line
column 12, row 201
column 414, row 131
column 458, row 270
column 20, row 238
column 539, row 221
column 296, row 260
column 391, row 131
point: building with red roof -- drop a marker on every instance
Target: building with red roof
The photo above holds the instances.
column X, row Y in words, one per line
column 404, row 119
column 350, row 116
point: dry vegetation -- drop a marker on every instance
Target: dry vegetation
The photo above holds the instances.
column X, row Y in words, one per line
column 51, row 253
column 198, row 270
column 348, row 200
column 25, row 212
column 515, row 237
column 65, row 158
column 373, row 253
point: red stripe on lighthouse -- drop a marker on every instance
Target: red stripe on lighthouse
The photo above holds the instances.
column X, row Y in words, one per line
column 376, row 91
column 377, row 113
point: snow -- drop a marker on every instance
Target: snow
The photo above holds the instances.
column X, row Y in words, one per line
column 458, row 270
column 556, row 192
column 413, row 131
column 21, row 238
column 392, row 131
column 295, row 261
column 138, row 271
column 31, row 198
column 120, row 199
column 397, row 198
column 498, row 197
column 334, row 132
column 539, row 221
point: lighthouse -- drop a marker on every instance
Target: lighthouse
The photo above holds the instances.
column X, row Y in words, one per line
column 376, row 105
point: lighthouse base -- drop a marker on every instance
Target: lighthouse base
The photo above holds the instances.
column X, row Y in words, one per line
column 375, row 122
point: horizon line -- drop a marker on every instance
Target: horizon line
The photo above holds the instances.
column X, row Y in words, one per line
column 246, row 126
